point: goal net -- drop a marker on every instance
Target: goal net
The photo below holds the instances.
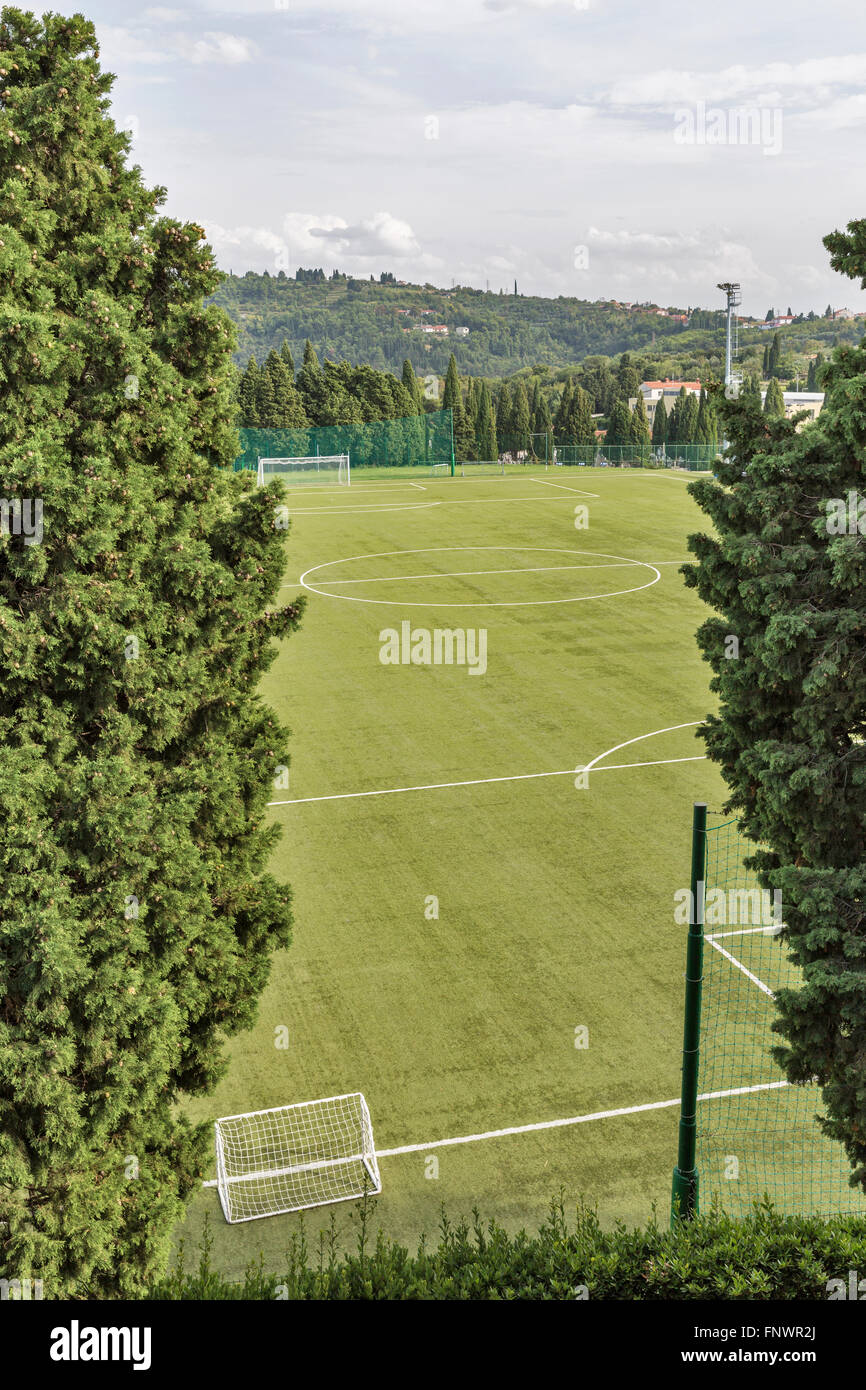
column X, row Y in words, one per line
column 295, row 1156
column 308, row 468
column 757, row 1135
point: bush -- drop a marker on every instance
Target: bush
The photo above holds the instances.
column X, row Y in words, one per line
column 763, row 1256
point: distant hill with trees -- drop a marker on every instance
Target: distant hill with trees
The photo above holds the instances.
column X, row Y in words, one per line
column 382, row 322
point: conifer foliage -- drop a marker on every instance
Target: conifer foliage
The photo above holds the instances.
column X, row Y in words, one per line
column 785, row 573
column 136, row 919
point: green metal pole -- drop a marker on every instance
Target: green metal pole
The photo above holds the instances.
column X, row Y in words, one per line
column 684, row 1192
column 451, row 412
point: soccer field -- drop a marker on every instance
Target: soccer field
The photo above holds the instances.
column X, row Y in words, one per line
column 484, row 939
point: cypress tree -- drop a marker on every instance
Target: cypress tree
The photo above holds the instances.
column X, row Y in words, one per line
column 774, row 401
column 785, row 570
column 688, row 425
column 520, row 418
column 581, row 426
column 137, row 758
column 413, row 386
column 660, row 423
column 487, row 443
column 640, row 431
column 503, row 417
column 542, row 424
column 563, row 422
column 619, row 425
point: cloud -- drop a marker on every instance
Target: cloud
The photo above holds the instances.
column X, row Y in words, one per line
column 323, row 239
column 123, row 47
column 807, row 84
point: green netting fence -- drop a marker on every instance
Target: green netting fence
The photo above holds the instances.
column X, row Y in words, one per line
column 760, row 1136
column 694, row 457
column 413, row 441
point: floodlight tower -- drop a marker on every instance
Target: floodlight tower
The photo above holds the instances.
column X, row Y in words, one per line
column 732, row 294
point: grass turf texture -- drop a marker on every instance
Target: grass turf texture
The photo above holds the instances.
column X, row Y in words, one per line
column 555, row 903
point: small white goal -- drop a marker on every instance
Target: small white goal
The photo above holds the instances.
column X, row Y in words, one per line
column 295, row 1156
column 310, row 468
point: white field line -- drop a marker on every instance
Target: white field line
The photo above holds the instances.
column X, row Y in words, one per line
column 565, row 488
column 422, row 506
column 572, row 1120
column 484, row 781
column 562, row 1124
column 419, row 486
column 463, row 574
column 342, row 491
column 743, row 931
column 733, row 959
column 519, row 777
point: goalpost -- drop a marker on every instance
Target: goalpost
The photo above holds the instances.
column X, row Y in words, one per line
column 322, row 468
column 295, row 1156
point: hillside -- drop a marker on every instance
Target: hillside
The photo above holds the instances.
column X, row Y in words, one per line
column 381, row 324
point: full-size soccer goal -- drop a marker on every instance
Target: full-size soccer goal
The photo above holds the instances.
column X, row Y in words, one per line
column 311, row 468
column 295, row 1156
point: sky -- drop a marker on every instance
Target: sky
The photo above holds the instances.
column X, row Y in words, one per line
column 595, row 148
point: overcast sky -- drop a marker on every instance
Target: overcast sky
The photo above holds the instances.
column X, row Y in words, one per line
column 583, row 147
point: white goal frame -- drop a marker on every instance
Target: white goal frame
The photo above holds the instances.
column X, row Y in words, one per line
column 292, row 1157
column 307, row 463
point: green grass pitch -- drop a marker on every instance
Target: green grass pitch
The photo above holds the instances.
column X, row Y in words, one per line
column 555, row 902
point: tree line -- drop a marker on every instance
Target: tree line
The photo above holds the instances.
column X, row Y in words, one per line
column 517, row 416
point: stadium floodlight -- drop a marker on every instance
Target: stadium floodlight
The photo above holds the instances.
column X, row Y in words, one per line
column 733, row 300
column 315, row 468
column 295, row 1156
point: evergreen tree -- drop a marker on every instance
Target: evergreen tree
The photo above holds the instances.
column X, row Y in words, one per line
column 775, row 356
column 619, row 425
column 660, row 424
column 248, row 396
column 751, row 392
column 675, row 434
column 542, row 425
column 811, row 377
column 453, row 400
column 688, row 425
column 520, row 418
column 785, row 570
column 765, row 365
column 640, row 430
column 487, row 447
column 581, row 426
column 705, row 431
column 774, row 401
column 563, row 420
column 312, row 387
column 137, row 756
column 286, row 355
column 413, row 386
column 503, row 417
